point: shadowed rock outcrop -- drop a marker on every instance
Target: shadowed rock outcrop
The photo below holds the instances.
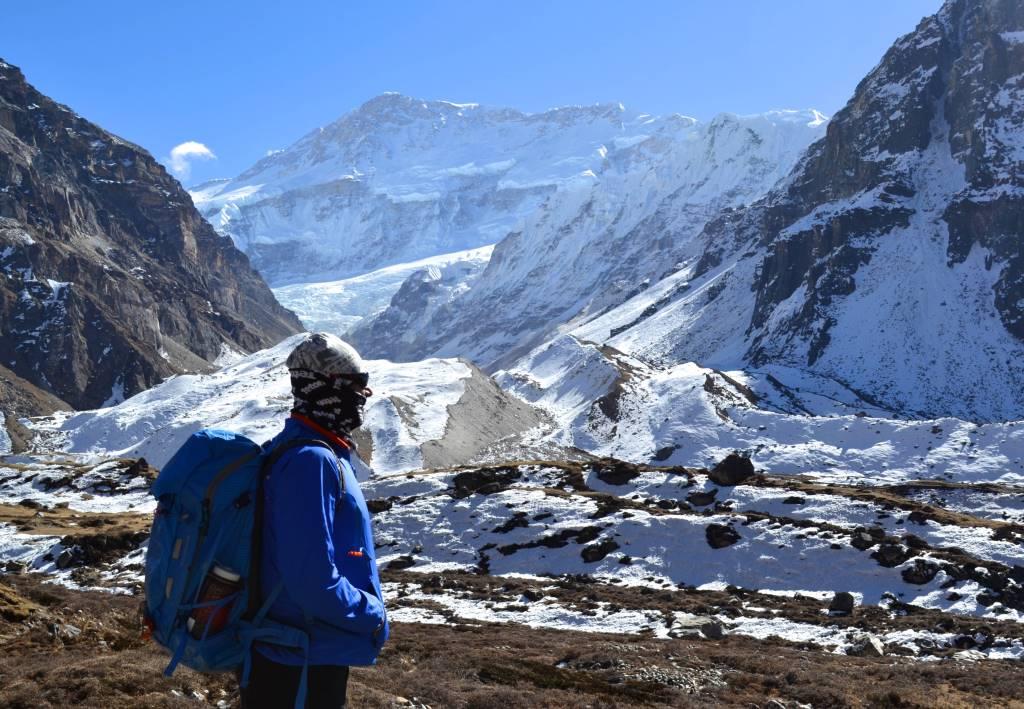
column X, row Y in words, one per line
column 110, row 280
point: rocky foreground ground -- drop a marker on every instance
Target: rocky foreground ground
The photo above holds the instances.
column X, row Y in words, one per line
column 588, row 584
column 79, row 648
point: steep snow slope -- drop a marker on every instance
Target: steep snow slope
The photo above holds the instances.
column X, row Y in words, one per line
column 628, row 224
column 890, row 260
column 435, row 412
column 401, row 179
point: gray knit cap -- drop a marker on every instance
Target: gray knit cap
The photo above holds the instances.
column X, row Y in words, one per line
column 325, row 354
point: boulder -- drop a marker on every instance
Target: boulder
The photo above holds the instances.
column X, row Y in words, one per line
column 596, row 552
column 891, row 555
column 842, row 603
column 402, row 562
column 920, row 573
column 866, row 646
column 864, row 538
column 733, row 470
column 697, row 627
column 721, row 535
column 701, row 499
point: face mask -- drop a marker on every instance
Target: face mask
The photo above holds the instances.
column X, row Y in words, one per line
column 331, row 403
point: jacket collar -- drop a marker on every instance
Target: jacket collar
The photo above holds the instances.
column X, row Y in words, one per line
column 306, row 427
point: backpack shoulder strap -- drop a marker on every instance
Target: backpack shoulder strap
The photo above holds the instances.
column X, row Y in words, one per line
column 256, row 596
column 281, row 449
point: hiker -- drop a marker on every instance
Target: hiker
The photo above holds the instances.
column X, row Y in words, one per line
column 317, row 545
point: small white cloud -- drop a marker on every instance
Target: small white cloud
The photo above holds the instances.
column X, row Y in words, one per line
column 181, row 157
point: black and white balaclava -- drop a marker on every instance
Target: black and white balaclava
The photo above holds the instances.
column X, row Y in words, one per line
column 331, row 403
column 319, row 366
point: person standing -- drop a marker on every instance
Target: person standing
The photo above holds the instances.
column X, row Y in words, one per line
column 317, row 544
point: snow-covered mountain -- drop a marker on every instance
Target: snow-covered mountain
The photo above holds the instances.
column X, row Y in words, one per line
column 600, row 240
column 401, row 179
column 890, row 260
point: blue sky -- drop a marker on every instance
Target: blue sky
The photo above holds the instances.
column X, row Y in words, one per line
column 246, row 77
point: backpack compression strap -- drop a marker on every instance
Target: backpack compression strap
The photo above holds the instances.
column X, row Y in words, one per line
column 255, row 588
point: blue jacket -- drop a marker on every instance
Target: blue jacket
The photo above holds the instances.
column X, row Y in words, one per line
column 317, row 538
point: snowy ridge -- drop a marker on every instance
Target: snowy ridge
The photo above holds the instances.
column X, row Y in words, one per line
column 412, row 409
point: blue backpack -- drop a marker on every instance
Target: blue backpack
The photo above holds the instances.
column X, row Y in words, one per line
column 209, row 513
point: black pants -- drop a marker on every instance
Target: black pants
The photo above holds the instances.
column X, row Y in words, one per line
column 274, row 686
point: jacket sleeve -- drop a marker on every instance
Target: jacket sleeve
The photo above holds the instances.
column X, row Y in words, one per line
column 302, row 519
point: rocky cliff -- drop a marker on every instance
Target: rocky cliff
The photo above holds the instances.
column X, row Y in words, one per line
column 110, row 280
column 890, row 259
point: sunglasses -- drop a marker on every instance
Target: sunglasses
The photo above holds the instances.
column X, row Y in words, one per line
column 359, row 379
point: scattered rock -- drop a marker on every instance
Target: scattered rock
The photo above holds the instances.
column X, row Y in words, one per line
column 700, row 499
column 866, row 646
column 891, row 555
column 713, row 630
column 920, row 573
column 533, row 594
column 69, row 557
column 64, row 631
column 519, row 519
column 794, row 500
column 485, row 481
column 402, row 562
column 987, row 597
column 615, row 472
column 864, row 538
column 663, row 454
column 96, row 549
column 667, row 504
column 15, row 567
column 721, row 535
column 380, row 505
column 733, row 470
column 842, row 603
column 596, row 552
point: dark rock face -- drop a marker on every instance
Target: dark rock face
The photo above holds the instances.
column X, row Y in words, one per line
column 890, row 259
column 947, row 98
column 19, row 397
column 110, row 280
